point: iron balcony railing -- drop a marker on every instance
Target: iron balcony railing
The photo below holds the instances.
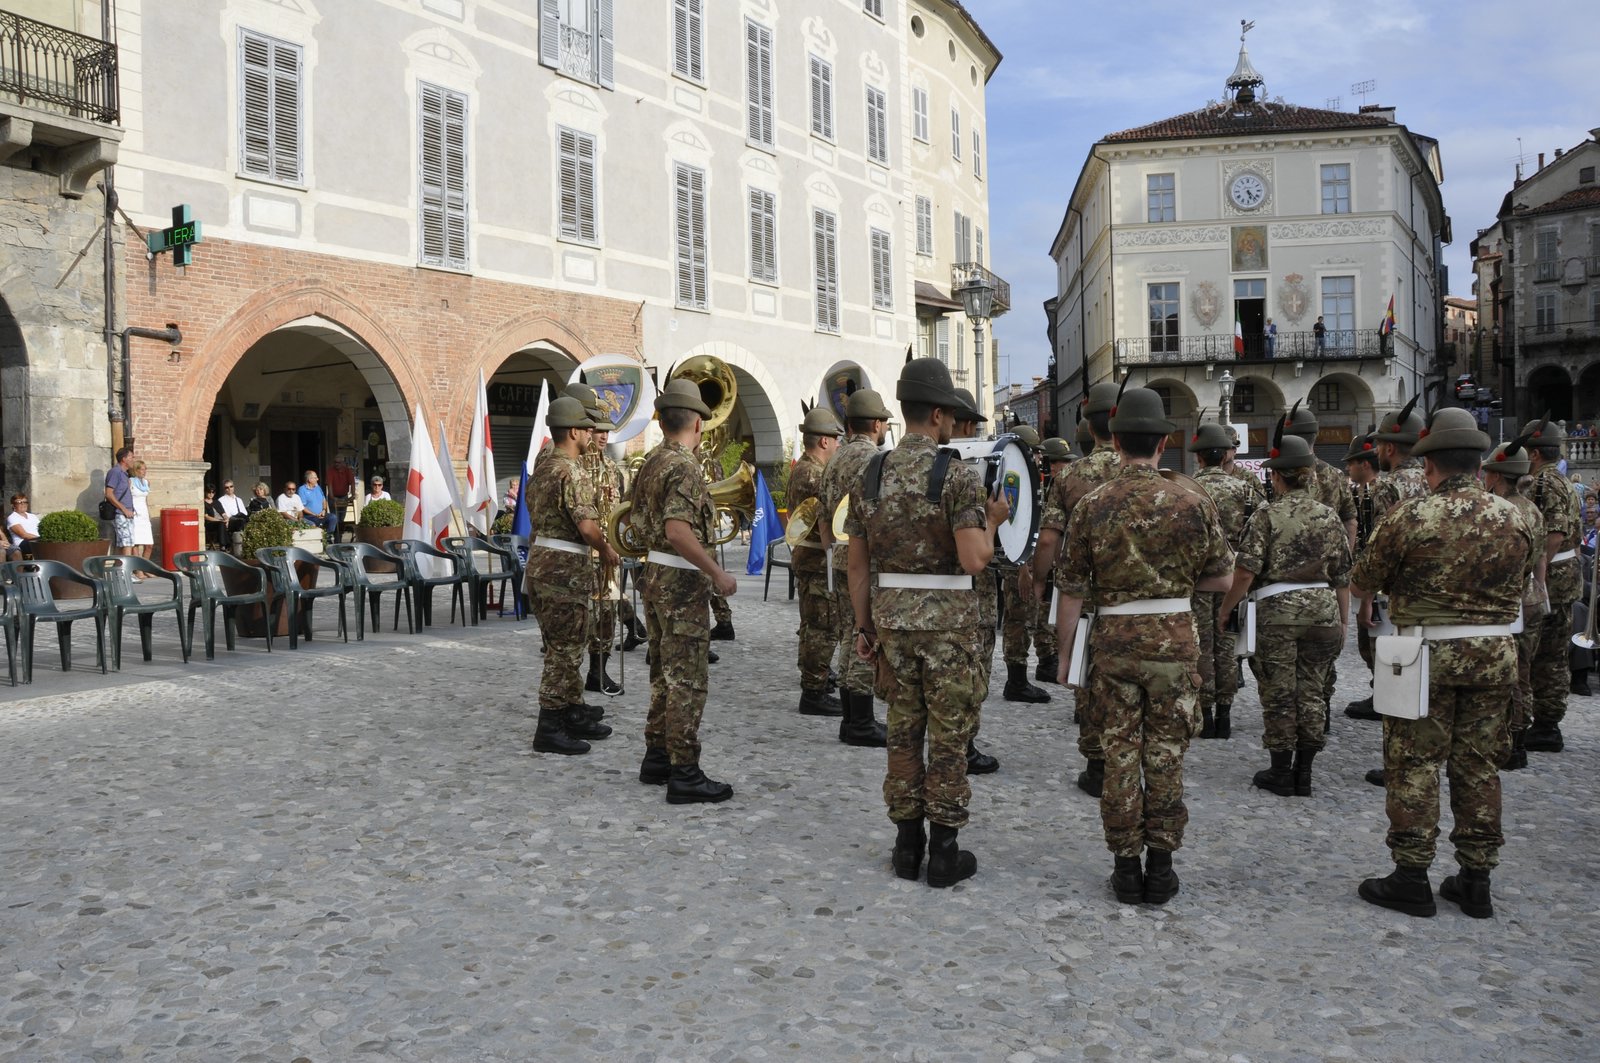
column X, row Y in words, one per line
column 1332, row 345
column 45, row 64
column 1550, row 332
column 964, row 274
column 1547, row 270
column 577, row 52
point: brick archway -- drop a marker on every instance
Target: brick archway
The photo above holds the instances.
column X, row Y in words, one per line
column 536, row 330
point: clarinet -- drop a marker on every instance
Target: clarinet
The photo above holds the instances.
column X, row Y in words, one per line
column 1358, row 494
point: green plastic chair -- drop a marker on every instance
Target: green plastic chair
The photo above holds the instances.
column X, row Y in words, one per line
column 115, row 573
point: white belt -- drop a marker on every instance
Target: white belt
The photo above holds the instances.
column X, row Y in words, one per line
column 1148, row 607
column 562, row 545
column 1565, row 555
column 1436, row 632
column 916, row 581
column 660, row 557
column 1273, row 589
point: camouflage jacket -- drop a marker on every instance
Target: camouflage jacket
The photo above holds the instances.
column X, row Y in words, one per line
column 1458, row 555
column 839, row 478
column 1563, row 516
column 1535, row 600
column 805, row 481
column 1234, row 499
column 1394, row 487
column 1136, row 538
column 1296, row 540
column 672, row 486
column 1331, row 487
column 560, row 497
column 1068, row 489
column 1250, row 480
column 907, row 534
column 607, row 480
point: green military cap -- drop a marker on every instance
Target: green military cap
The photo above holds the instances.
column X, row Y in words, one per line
column 1402, row 426
column 1140, row 410
column 1057, row 449
column 1101, row 398
column 927, row 380
column 1085, row 434
column 682, row 395
column 1363, row 448
column 822, row 422
column 1541, row 433
column 1028, row 434
column 968, row 410
column 1513, row 464
column 1293, row 452
column 1451, row 429
column 1210, row 436
column 1300, row 423
column 864, row 404
column 583, row 393
column 567, row 412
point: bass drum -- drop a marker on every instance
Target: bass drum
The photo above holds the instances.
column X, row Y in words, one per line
column 1008, row 463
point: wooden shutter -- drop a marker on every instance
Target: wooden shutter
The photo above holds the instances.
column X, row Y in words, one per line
column 821, row 98
column 688, row 40
column 550, row 33
column 577, row 185
column 877, row 126
column 955, row 133
column 919, row 114
column 941, row 339
column 977, row 154
column 882, row 271
column 442, row 171
column 979, row 248
column 758, row 82
column 269, row 108
column 604, row 46
column 824, row 231
column 924, row 225
column 690, row 236
column 763, row 236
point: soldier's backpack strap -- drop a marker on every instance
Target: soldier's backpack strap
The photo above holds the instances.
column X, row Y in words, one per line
column 936, row 475
column 872, row 477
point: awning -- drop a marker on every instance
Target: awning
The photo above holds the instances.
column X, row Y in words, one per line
column 930, row 295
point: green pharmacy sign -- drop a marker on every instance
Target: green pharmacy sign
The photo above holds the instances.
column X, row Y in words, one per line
column 179, row 238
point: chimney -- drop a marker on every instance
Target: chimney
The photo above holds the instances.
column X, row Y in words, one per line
column 1596, row 134
column 1378, row 110
column 1560, row 152
column 1541, row 162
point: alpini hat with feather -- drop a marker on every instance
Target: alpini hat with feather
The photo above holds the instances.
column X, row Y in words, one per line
column 567, row 412
column 1451, row 429
column 1210, row 436
column 927, row 380
column 1404, row 426
column 1300, row 422
column 820, row 420
column 682, row 395
column 1510, row 459
column 1057, row 449
column 1287, row 451
column 1363, row 448
column 969, row 407
column 1101, row 398
column 1139, row 410
column 864, row 404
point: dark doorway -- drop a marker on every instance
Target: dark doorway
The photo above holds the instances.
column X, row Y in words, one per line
column 1549, row 388
column 1250, row 305
column 293, row 451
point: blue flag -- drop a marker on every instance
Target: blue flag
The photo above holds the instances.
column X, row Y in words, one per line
column 764, row 528
column 521, row 522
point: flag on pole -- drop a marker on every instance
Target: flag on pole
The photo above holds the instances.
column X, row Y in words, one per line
column 448, row 467
column 1238, row 333
column 764, row 527
column 1387, row 328
column 427, row 494
column 522, row 521
column 481, row 480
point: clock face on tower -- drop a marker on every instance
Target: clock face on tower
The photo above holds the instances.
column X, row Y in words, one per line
column 1248, row 191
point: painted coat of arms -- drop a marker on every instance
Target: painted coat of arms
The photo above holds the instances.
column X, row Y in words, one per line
column 1294, row 299
column 618, row 389
column 1205, row 303
column 838, row 387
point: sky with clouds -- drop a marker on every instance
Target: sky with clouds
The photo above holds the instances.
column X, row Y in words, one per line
column 1471, row 74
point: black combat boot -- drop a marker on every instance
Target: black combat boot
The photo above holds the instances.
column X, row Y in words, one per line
column 550, row 735
column 1208, row 723
column 1376, row 777
column 598, row 681
column 689, row 785
column 1580, row 682
column 1470, row 890
column 947, row 862
column 1544, row 738
column 1223, row 714
column 1302, row 771
column 1279, row 778
column 909, row 845
column 635, row 635
column 723, row 632
column 833, row 680
column 1127, row 880
column 819, row 703
column 979, row 762
column 858, row 727
column 1092, row 780
column 1405, row 890
column 1361, row 710
column 591, row 713
column 1160, row 881
column 580, row 726
column 1019, row 689
column 712, row 656
column 1048, row 669
column 656, row 767
column 1517, row 759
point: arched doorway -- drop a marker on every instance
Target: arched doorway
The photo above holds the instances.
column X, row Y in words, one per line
column 14, row 442
column 1588, row 393
column 1179, row 404
column 1258, row 402
column 513, row 393
column 1343, row 406
column 1550, row 388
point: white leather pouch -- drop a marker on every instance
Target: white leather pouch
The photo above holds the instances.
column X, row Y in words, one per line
column 1078, row 665
column 1400, row 676
column 1245, row 646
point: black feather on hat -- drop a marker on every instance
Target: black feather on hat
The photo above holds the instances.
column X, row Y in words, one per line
column 1405, row 411
column 908, row 354
column 1292, row 411
column 1277, row 433
column 1120, row 390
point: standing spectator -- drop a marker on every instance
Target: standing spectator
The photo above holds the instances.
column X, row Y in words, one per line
column 378, row 493
column 1320, row 331
column 314, row 502
column 216, row 521
column 260, row 498
column 143, row 534
column 289, row 503
column 341, row 493
column 1272, row 339
column 510, row 504
column 119, row 493
column 23, row 528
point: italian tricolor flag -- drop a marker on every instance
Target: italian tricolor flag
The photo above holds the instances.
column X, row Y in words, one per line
column 1238, row 333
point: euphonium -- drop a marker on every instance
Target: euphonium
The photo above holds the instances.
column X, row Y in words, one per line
column 802, row 519
column 737, row 496
column 718, row 388
column 620, row 533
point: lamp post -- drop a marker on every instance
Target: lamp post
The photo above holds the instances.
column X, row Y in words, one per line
column 977, row 296
column 1225, row 389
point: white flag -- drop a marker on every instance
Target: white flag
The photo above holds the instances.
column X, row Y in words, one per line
column 448, row 467
column 427, row 493
column 481, row 501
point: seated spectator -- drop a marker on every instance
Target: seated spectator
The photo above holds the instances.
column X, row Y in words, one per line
column 260, row 498
column 233, row 508
column 315, row 510
column 289, row 503
column 22, row 528
column 377, row 490
column 216, row 521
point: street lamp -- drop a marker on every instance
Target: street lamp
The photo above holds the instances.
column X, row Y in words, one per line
column 1225, row 389
column 977, row 296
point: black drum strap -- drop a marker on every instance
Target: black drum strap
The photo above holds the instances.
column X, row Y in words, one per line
column 936, row 475
column 872, row 477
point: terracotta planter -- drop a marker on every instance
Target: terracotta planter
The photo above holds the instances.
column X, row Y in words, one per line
column 72, row 554
column 252, row 621
column 381, row 538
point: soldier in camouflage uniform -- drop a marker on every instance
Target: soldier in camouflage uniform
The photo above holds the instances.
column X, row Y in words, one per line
column 920, row 621
column 559, row 579
column 673, row 511
column 1295, row 563
column 1563, row 526
column 1020, row 612
column 1506, row 475
column 608, row 493
column 1057, row 455
column 867, row 421
column 966, row 427
column 1361, row 467
column 819, row 623
column 1235, row 501
column 1454, row 564
column 1101, row 466
column 1138, row 549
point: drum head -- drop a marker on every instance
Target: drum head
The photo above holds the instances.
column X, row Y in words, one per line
column 1018, row 480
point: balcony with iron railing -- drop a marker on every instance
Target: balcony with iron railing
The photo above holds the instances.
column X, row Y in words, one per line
column 1546, row 270
column 970, row 274
column 59, row 99
column 1334, row 345
column 1547, row 333
column 577, row 52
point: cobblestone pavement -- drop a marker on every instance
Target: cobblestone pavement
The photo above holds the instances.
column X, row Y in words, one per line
column 348, row 852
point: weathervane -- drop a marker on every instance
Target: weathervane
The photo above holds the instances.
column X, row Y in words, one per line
column 1245, row 27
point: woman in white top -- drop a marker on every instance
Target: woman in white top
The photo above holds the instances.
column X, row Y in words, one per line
column 23, row 528
column 143, row 534
column 377, row 490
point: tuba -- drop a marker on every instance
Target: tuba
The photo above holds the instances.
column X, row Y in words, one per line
column 735, row 496
column 719, row 391
column 801, row 521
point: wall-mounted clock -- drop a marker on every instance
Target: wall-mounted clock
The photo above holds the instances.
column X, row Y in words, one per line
column 1248, row 191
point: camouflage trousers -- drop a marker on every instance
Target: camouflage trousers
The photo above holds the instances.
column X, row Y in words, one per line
column 679, row 635
column 1219, row 671
column 1294, row 661
column 564, row 622
column 1086, row 707
column 1020, row 620
column 988, row 619
column 603, row 625
column 931, row 681
column 1522, row 695
column 855, row 675
column 1148, row 713
column 819, row 629
column 721, row 610
column 1465, row 732
column 1551, row 673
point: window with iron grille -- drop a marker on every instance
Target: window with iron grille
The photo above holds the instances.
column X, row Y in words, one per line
column 924, row 225
column 576, row 38
column 688, row 39
column 1336, row 188
column 877, row 126
column 576, row 180
column 270, row 136
column 442, row 176
column 758, row 82
column 919, row 114
column 882, row 270
column 1161, row 196
column 822, row 98
column 689, row 230
column 763, row 236
column 825, row 254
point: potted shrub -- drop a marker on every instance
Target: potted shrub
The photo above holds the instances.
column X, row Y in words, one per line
column 379, row 526
column 266, row 527
column 69, row 536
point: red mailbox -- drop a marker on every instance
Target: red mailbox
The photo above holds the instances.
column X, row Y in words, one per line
column 180, row 531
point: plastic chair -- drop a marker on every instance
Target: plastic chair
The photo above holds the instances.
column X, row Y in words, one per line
column 774, row 561
column 412, row 554
column 115, row 573
column 354, row 557
column 517, row 547
column 282, row 564
column 11, row 621
column 208, row 591
column 502, row 571
column 30, row 581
